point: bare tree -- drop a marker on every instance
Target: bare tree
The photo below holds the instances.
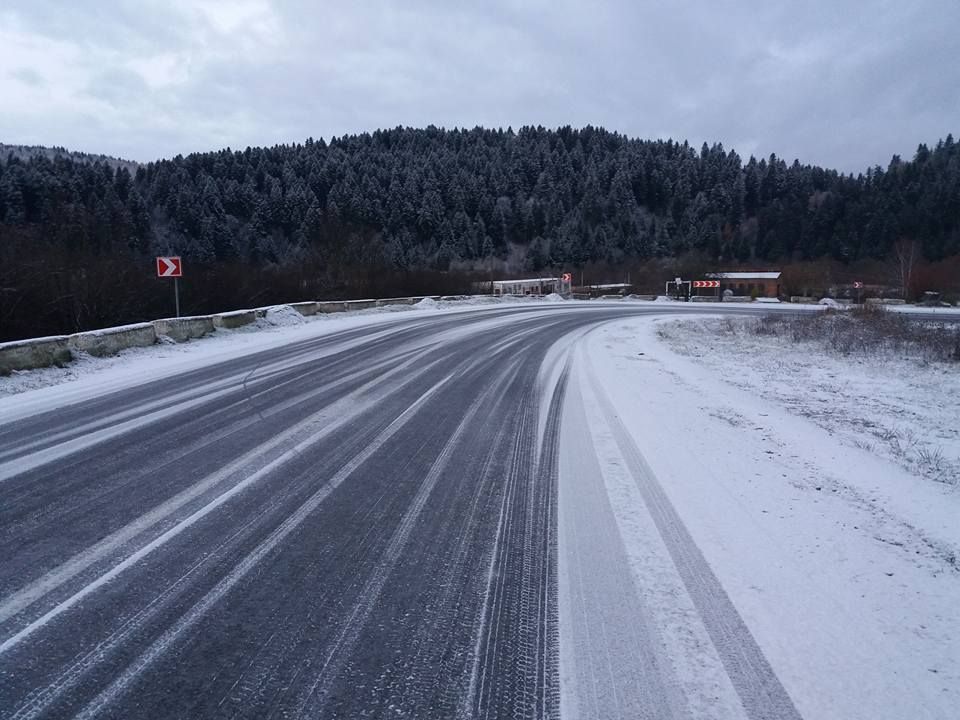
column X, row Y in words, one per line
column 906, row 254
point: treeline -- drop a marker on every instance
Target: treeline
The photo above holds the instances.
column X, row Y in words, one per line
column 402, row 207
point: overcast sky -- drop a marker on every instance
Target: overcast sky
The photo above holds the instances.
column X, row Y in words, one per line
column 839, row 83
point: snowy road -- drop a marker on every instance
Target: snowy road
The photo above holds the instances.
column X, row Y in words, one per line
column 404, row 519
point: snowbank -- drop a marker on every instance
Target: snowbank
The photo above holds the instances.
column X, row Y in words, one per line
column 282, row 316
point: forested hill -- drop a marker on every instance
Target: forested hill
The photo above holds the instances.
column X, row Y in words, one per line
column 26, row 152
column 433, row 197
column 408, row 200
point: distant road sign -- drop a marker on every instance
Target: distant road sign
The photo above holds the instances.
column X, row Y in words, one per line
column 566, row 277
column 169, row 267
column 706, row 283
column 858, row 284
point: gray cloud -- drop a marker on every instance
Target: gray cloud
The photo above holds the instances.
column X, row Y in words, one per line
column 844, row 85
column 27, row 76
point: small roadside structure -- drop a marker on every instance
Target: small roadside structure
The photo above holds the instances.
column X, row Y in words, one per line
column 753, row 283
column 532, row 286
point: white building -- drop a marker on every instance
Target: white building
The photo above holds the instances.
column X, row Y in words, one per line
column 532, row 286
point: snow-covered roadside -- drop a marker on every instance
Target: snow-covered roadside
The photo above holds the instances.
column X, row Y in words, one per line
column 905, row 410
column 842, row 564
column 90, row 376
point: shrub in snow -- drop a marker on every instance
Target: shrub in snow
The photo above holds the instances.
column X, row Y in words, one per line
column 869, row 331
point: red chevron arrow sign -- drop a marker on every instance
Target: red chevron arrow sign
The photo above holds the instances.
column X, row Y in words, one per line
column 706, row 283
column 169, row 267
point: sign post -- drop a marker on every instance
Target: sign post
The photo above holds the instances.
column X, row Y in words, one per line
column 172, row 267
column 859, row 288
column 678, row 283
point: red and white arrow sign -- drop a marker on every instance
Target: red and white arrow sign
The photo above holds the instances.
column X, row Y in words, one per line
column 706, row 283
column 169, row 267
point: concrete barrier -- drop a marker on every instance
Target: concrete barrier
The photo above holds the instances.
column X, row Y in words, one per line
column 110, row 341
column 395, row 301
column 359, row 304
column 704, row 298
column 235, row 319
column 331, row 306
column 885, row 301
column 738, row 298
column 803, row 300
column 183, row 329
column 36, row 353
column 305, row 308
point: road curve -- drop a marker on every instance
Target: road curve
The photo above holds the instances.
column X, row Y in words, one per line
column 358, row 525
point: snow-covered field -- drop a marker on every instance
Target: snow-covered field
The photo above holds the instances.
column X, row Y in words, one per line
column 901, row 408
column 838, row 552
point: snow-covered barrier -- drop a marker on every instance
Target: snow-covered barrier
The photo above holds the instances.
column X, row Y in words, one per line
column 235, row 319
column 36, row 353
column 803, row 300
column 885, row 301
column 738, row 298
column 305, row 308
column 704, row 298
column 110, row 341
column 183, row 329
column 331, row 306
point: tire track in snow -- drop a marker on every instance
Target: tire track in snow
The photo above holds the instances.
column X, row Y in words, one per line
column 242, row 569
column 515, row 665
column 317, row 426
column 613, row 661
column 309, row 431
column 310, row 704
column 760, row 690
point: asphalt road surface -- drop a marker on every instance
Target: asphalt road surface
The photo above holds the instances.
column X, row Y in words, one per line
column 362, row 525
